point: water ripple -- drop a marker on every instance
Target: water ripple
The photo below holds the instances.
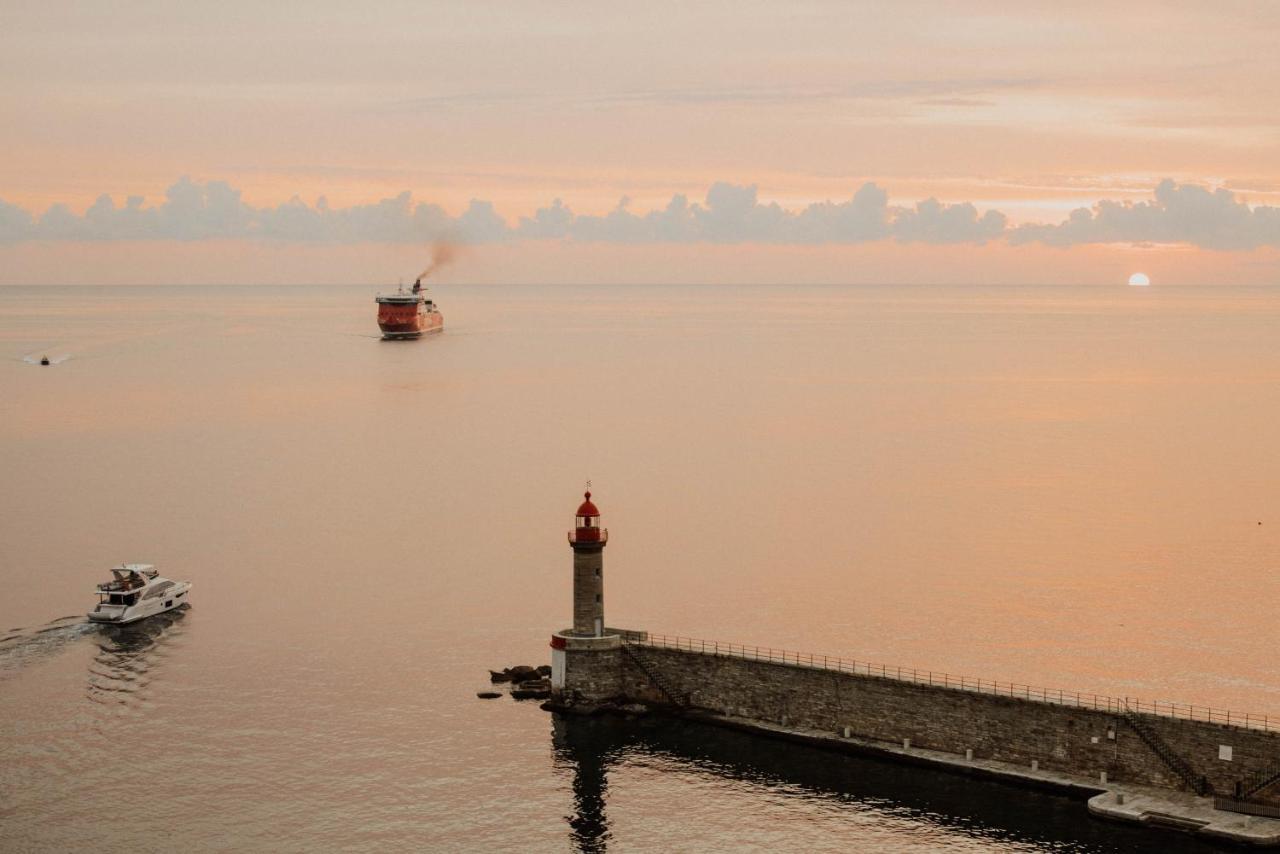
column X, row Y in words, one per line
column 28, row 646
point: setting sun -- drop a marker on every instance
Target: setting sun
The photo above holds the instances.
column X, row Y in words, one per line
column 1139, row 280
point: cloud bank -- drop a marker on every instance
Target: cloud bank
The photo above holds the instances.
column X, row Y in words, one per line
column 1178, row 214
column 729, row 214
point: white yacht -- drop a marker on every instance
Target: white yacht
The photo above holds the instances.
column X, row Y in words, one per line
column 137, row 591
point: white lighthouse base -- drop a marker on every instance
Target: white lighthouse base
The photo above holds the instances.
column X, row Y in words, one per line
column 585, row 667
column 557, row 669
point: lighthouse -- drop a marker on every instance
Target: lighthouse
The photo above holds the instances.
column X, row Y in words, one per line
column 588, row 540
column 586, row 664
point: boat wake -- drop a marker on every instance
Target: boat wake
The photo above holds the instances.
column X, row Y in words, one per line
column 21, row 647
column 42, row 359
column 122, row 667
column 55, row 352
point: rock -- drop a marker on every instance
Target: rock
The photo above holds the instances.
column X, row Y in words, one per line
column 523, row 673
column 520, row 673
column 532, row 690
column 488, row 695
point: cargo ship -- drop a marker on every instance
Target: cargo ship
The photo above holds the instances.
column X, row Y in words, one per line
column 408, row 314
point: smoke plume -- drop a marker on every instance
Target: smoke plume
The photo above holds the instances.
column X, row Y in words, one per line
column 443, row 253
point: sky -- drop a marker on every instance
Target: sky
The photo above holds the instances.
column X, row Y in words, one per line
column 855, row 142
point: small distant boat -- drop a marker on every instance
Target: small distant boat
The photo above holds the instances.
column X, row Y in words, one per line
column 137, row 591
column 44, row 360
column 408, row 314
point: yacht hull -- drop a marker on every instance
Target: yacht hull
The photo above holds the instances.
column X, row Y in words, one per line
column 120, row 615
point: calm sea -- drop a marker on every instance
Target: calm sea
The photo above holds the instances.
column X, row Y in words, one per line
column 1072, row 487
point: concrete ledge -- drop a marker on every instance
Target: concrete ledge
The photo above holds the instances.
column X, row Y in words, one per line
column 1025, row 777
column 1186, row 812
column 1156, row 808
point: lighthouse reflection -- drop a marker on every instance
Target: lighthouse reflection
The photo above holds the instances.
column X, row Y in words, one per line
column 587, row 747
column 935, row 809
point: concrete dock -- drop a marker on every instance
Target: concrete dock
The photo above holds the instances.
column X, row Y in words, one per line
column 1119, row 801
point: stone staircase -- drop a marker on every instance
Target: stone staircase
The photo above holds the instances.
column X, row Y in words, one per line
column 641, row 659
column 1196, row 782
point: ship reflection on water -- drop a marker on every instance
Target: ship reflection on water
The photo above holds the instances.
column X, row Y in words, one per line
column 121, row 668
column 949, row 810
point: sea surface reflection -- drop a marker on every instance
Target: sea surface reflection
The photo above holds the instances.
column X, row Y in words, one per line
column 948, row 811
column 1071, row 487
column 122, row 668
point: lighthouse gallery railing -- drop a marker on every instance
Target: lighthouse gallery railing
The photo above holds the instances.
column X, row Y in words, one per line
column 1097, row 702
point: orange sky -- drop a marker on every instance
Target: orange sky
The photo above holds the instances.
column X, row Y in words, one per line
column 1031, row 109
column 221, row 262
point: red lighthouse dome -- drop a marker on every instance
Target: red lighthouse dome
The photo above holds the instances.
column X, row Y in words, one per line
column 587, row 523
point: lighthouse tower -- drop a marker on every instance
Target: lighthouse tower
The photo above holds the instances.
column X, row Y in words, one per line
column 586, row 660
column 588, row 540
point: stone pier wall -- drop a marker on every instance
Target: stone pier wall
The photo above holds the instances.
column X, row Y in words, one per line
column 1060, row 738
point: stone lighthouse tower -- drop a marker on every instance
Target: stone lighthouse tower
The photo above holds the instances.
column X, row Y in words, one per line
column 586, row 660
column 588, row 540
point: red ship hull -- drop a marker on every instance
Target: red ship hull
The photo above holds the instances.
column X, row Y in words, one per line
column 413, row 317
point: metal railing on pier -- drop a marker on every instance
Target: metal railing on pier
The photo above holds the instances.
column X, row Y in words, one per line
column 937, row 679
column 1246, row 807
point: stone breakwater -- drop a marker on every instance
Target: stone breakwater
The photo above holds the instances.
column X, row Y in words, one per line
column 1079, row 741
column 1114, row 749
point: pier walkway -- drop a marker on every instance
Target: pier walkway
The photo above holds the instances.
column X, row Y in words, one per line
column 1147, row 805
